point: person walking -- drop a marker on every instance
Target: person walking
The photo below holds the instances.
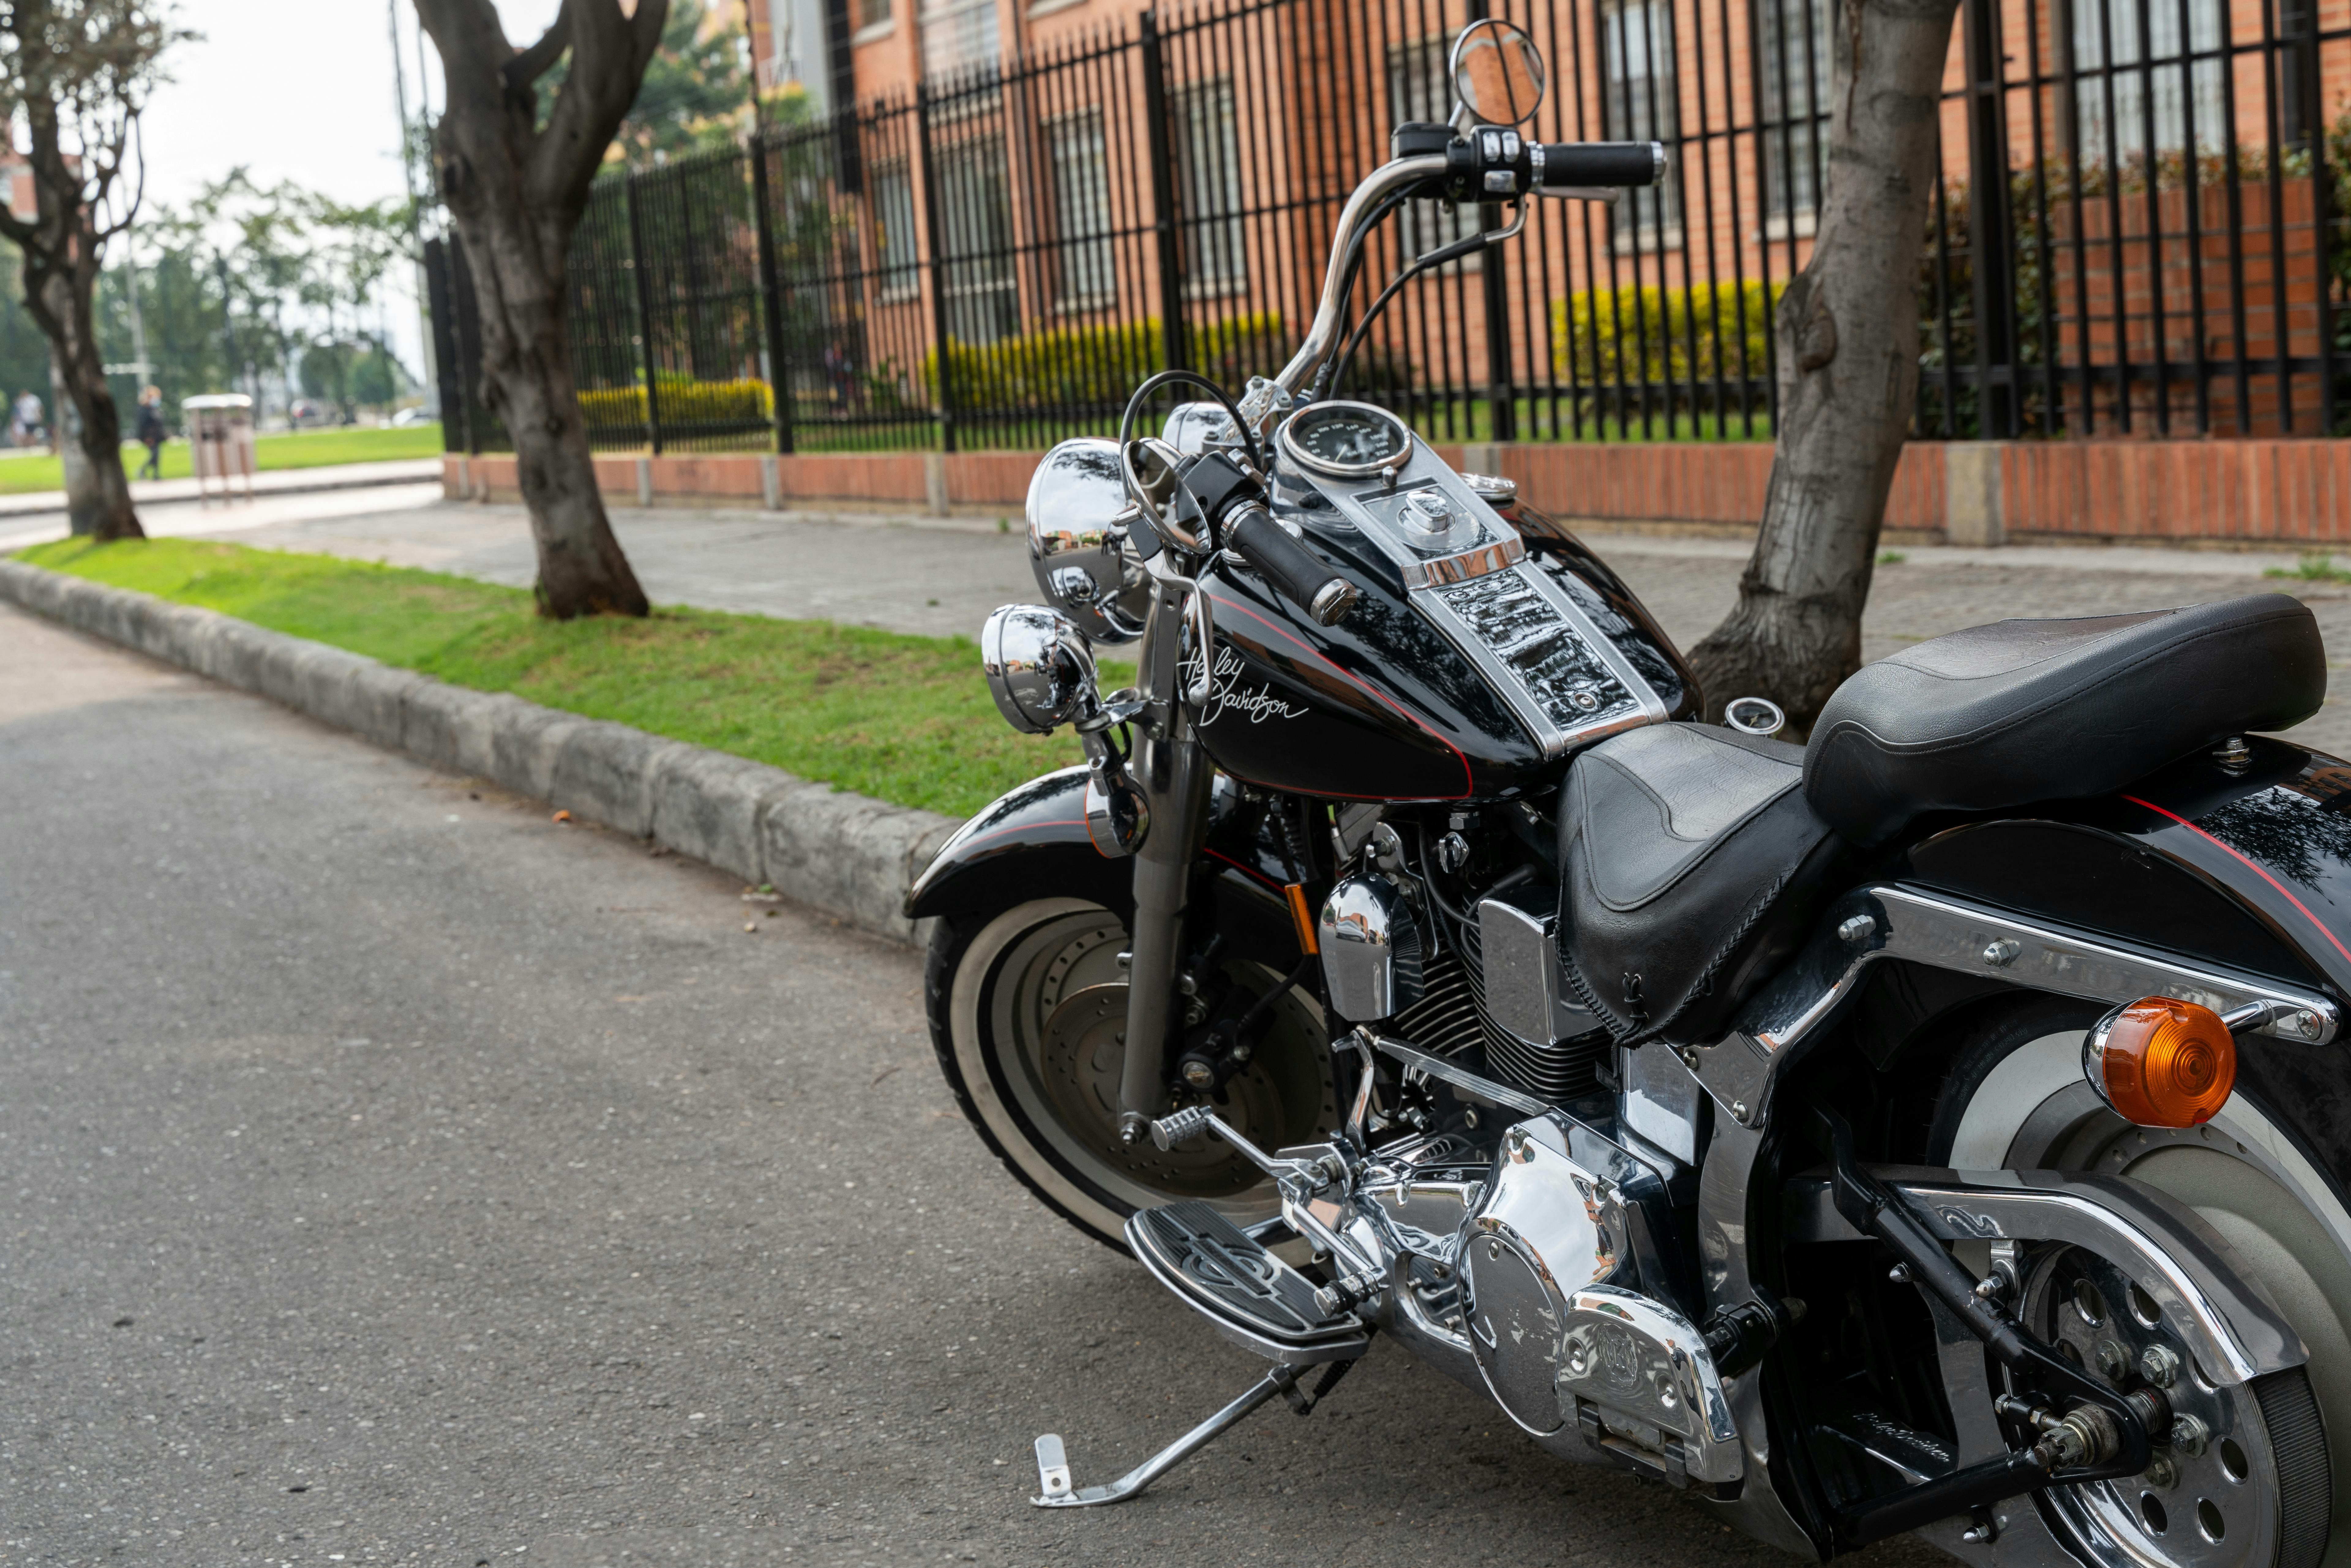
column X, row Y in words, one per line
column 25, row 419
column 152, row 432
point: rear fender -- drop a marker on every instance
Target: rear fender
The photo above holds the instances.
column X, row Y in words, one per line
column 2247, row 868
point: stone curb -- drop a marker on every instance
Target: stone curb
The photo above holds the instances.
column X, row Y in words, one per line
column 826, row 848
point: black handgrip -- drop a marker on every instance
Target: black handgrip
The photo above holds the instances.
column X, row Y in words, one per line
column 1289, row 566
column 1608, row 163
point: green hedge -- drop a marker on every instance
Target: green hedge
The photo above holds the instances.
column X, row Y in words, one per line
column 684, row 401
column 1098, row 366
column 1656, row 335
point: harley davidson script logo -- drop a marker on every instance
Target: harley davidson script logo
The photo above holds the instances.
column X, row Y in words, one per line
column 1227, row 695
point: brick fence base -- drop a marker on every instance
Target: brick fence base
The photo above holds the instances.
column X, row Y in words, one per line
column 2249, row 491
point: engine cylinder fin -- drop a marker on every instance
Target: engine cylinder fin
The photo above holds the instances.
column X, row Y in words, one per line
column 1555, row 1071
column 1448, row 1019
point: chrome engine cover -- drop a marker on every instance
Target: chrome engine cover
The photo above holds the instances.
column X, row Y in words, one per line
column 1575, row 1355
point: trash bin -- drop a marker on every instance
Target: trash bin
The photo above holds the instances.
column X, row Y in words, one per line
column 219, row 440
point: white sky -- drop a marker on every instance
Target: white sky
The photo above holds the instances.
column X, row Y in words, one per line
column 300, row 91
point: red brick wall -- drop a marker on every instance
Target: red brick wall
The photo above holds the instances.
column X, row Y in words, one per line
column 2274, row 491
column 2280, row 491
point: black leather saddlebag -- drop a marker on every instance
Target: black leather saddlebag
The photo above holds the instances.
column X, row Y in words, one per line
column 1690, row 868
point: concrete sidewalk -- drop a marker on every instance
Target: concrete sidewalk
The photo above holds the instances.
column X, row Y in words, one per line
column 942, row 575
column 145, row 493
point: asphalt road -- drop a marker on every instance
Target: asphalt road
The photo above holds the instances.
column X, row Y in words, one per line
column 393, row 1176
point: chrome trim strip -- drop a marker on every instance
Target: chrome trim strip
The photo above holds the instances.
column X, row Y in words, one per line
column 1957, row 934
column 1461, row 1077
column 2237, row 1334
column 1477, row 561
column 1947, row 932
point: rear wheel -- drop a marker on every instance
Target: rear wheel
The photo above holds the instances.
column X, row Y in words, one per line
column 1028, row 1012
column 2260, row 1482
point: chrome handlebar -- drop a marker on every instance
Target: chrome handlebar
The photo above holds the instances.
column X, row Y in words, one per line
column 1377, row 187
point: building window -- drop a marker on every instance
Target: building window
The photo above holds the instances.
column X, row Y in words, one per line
column 957, row 35
column 1087, row 269
column 1420, row 89
column 872, row 14
column 893, row 232
column 1795, row 71
column 2111, row 92
column 1637, row 42
column 976, row 263
column 1209, row 171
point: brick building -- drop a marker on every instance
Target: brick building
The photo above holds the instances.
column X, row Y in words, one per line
column 2096, row 264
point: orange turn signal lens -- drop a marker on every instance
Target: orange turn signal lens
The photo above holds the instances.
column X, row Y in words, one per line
column 2160, row 1062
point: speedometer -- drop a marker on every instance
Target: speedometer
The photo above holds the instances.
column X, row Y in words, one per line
column 1348, row 439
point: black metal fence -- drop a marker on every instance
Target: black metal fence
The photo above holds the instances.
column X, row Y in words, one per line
column 2138, row 229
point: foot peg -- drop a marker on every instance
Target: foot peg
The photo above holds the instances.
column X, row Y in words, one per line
column 1055, row 1490
column 1248, row 1295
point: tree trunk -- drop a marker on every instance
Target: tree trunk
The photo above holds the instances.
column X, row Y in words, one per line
column 515, row 188
column 527, row 366
column 1847, row 335
column 89, row 429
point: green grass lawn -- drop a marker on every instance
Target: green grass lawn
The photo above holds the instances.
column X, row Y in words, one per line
column 901, row 718
column 295, row 449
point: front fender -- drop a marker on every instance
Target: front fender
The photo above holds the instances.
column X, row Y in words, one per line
column 1032, row 843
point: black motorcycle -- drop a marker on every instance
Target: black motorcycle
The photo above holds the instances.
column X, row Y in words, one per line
column 1940, row 1126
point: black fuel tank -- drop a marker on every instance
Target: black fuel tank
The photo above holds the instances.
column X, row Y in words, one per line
column 1384, row 705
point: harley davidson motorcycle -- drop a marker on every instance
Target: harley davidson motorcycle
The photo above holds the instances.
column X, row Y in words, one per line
column 1942, row 1126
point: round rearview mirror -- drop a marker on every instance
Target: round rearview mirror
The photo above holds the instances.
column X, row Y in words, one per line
column 1498, row 72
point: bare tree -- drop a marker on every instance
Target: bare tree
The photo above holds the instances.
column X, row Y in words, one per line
column 74, row 79
column 516, row 182
column 1848, row 370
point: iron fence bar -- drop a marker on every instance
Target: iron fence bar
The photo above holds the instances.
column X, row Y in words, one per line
column 2280, row 315
column 2045, row 277
column 2110, row 124
column 2152, row 163
column 771, row 307
column 1990, row 249
column 1713, row 264
column 1943, row 355
column 645, row 320
column 1737, row 250
column 2321, row 218
column 2231, row 174
column 940, row 268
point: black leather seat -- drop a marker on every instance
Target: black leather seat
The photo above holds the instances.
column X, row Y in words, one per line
column 2019, row 711
column 1690, row 868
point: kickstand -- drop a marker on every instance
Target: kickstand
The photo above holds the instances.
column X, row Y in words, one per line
column 1053, row 1460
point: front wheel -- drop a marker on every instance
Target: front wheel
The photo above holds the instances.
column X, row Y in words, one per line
column 2268, row 1466
column 1028, row 1013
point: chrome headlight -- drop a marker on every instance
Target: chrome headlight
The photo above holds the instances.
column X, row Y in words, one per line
column 1039, row 667
column 1078, row 544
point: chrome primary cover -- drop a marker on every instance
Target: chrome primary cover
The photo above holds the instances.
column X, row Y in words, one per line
column 1570, row 1354
column 1077, row 540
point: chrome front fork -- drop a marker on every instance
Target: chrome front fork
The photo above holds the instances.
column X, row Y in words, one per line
column 1175, row 775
